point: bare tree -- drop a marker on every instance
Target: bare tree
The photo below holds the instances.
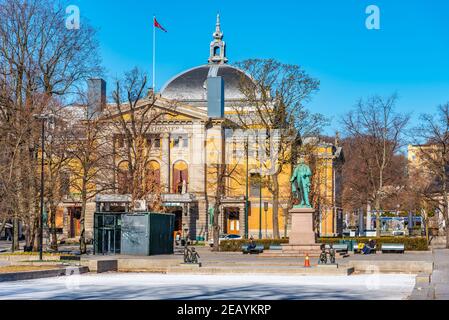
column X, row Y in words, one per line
column 90, row 162
column 274, row 99
column 380, row 130
column 40, row 59
column 136, row 111
column 432, row 137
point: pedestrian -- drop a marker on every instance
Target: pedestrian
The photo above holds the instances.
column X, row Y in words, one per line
column 369, row 247
column 252, row 244
column 8, row 234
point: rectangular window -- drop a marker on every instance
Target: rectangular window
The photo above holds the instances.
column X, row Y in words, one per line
column 153, row 141
column 157, row 143
column 176, row 142
column 181, row 142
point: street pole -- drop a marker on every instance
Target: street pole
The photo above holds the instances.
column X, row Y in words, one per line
column 41, row 219
column 266, row 219
column 260, row 205
column 247, row 191
column 154, row 55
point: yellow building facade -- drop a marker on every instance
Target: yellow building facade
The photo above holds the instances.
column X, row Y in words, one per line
column 188, row 147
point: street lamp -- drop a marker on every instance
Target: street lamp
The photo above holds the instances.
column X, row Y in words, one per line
column 260, row 205
column 247, row 189
column 43, row 119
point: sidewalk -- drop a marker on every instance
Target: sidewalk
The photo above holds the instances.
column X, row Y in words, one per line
column 440, row 277
column 438, row 288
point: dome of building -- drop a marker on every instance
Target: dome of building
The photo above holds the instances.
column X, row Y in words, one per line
column 191, row 86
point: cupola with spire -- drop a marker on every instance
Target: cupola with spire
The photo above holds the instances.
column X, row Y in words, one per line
column 218, row 46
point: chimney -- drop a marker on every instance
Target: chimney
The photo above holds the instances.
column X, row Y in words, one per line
column 96, row 97
column 215, row 97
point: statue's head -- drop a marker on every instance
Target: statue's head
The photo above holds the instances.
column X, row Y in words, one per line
column 301, row 161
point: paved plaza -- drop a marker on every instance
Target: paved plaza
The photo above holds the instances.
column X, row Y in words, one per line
column 161, row 287
column 266, row 278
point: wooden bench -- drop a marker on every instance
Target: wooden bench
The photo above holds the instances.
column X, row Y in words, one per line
column 339, row 248
column 393, row 248
column 276, row 248
column 257, row 250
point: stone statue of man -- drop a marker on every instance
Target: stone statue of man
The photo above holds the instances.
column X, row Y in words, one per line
column 301, row 184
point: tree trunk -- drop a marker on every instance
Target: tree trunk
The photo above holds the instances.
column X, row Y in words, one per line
column 378, row 224
column 83, row 246
column 447, row 234
column 276, row 234
column 221, row 169
column 216, row 227
column 16, row 244
column 35, row 235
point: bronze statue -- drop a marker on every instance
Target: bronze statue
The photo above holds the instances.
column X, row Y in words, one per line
column 323, row 256
column 191, row 256
column 332, row 254
column 301, row 184
column 327, row 256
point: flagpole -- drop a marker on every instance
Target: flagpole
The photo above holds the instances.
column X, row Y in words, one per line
column 154, row 54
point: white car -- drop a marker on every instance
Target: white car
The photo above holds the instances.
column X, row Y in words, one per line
column 225, row 237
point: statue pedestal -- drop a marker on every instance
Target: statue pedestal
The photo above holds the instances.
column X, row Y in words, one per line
column 302, row 237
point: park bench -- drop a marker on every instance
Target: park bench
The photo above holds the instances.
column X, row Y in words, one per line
column 393, row 248
column 275, row 248
column 257, row 250
column 339, row 248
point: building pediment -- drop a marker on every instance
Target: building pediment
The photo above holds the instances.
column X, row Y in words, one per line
column 169, row 110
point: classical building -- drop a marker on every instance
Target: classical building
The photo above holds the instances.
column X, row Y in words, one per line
column 187, row 145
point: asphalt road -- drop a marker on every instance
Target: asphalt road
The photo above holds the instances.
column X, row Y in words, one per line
column 187, row 287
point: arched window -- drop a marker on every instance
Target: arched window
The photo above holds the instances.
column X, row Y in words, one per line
column 180, row 177
column 217, row 51
column 123, row 178
column 153, row 177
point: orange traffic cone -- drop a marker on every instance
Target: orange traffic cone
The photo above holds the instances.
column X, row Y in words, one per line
column 307, row 262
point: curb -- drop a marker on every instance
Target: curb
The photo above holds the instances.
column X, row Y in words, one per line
column 31, row 275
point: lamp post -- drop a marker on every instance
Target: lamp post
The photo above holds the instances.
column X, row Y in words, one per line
column 260, row 206
column 43, row 119
column 41, row 218
column 247, row 189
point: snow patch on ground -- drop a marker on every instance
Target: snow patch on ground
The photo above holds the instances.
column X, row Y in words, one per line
column 213, row 287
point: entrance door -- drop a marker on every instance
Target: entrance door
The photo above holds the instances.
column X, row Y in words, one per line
column 178, row 223
column 233, row 221
column 75, row 222
column 108, row 242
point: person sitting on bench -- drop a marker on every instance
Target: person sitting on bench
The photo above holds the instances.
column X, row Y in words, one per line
column 252, row 244
column 369, row 247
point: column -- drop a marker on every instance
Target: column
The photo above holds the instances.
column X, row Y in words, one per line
column 165, row 165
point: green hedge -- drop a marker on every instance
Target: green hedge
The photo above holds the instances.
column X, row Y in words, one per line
column 411, row 243
column 236, row 246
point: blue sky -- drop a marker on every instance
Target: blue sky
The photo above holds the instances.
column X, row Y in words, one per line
column 328, row 38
